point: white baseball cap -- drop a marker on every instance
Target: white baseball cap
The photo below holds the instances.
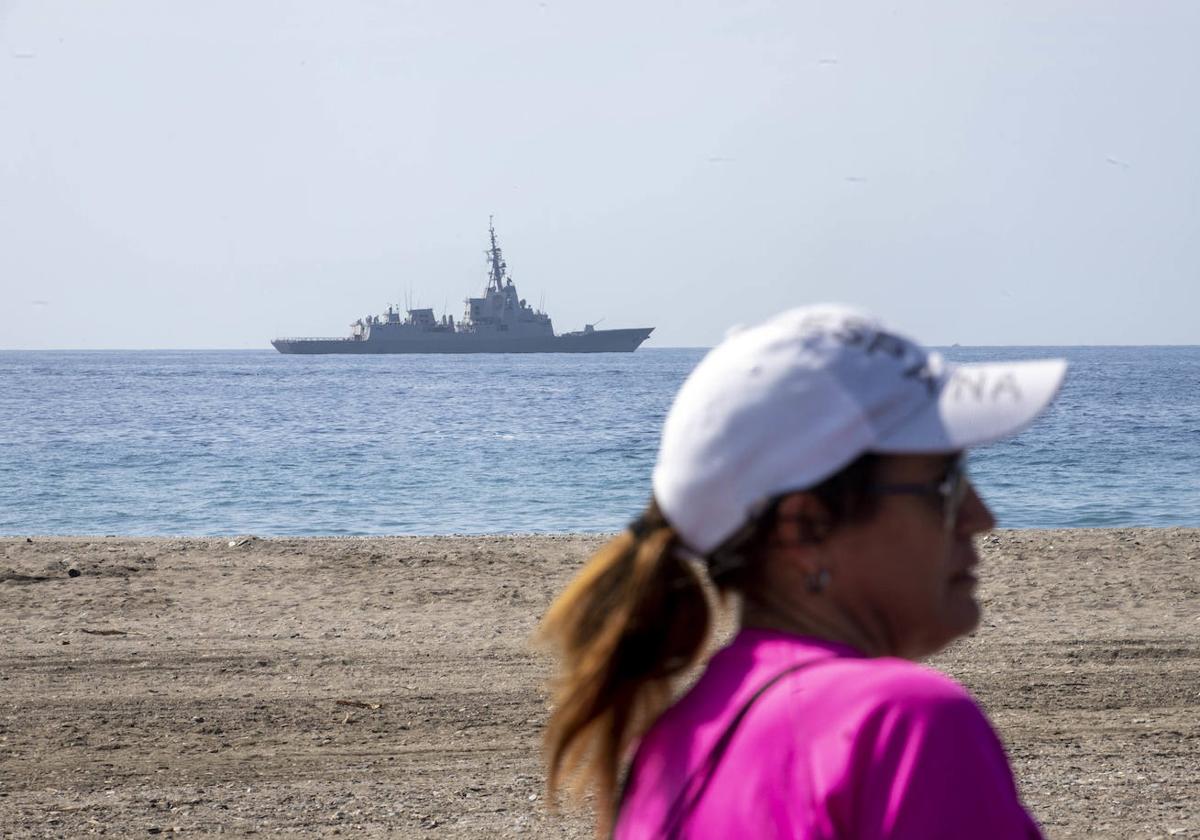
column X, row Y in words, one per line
column 781, row 406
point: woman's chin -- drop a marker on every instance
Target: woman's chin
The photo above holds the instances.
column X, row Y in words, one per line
column 958, row 618
column 966, row 613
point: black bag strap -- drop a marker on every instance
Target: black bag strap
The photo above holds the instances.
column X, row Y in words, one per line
column 698, row 780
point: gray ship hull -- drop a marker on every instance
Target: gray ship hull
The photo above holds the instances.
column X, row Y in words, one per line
column 596, row 341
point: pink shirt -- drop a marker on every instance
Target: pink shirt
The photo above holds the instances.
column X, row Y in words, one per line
column 848, row 747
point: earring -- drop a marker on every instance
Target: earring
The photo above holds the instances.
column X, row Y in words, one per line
column 818, row 582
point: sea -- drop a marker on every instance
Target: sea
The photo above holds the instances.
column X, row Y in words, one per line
column 255, row 442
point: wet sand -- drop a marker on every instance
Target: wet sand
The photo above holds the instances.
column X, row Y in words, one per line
column 386, row 687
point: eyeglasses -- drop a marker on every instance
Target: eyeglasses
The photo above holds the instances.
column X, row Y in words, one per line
column 950, row 488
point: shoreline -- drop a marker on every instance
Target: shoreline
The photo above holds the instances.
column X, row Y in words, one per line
column 386, row 686
column 495, row 535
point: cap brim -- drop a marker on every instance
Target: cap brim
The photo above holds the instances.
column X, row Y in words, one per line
column 978, row 404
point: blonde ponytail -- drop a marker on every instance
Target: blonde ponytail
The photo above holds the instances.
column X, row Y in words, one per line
column 633, row 619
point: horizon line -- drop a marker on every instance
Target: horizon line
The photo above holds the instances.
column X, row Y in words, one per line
column 640, row 349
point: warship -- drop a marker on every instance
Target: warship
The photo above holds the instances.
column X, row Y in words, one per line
column 499, row 322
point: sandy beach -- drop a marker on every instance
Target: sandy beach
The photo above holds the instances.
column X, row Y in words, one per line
column 387, row 687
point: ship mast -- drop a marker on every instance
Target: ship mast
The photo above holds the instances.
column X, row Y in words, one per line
column 498, row 266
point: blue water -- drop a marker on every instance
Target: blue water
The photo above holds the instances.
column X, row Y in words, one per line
column 203, row 443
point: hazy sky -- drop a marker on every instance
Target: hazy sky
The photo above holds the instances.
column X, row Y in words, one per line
column 215, row 174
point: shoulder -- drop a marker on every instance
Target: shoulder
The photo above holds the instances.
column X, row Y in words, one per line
column 829, row 683
column 891, row 684
column 924, row 760
column 881, row 704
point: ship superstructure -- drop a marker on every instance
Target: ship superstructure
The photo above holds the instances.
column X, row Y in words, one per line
column 498, row 322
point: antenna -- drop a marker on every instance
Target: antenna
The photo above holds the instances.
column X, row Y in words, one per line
column 498, row 267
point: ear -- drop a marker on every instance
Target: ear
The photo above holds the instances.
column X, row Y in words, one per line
column 801, row 519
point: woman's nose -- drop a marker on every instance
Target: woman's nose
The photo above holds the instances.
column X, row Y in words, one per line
column 974, row 517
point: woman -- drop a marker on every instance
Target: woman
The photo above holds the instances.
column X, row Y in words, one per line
column 813, row 465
